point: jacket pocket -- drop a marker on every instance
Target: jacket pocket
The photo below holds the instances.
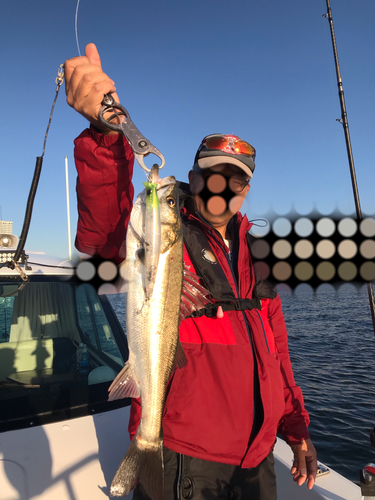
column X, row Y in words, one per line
column 275, row 390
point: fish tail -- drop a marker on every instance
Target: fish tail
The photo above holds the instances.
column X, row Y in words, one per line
column 142, row 463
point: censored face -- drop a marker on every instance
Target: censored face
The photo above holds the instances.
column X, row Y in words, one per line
column 219, row 191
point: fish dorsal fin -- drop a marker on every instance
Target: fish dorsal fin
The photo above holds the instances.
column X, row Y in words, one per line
column 194, row 295
column 125, row 384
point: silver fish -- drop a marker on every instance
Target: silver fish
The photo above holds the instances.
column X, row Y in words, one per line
column 152, row 329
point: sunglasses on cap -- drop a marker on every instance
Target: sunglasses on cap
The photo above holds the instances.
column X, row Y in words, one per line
column 228, row 144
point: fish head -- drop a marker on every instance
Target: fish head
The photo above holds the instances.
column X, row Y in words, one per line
column 171, row 229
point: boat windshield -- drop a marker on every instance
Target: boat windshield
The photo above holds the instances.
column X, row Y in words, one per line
column 44, row 329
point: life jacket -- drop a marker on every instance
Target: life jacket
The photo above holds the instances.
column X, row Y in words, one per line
column 213, row 276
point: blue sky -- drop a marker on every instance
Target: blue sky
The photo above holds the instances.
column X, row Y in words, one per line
column 261, row 69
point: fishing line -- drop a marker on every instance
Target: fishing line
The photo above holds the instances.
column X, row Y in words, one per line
column 76, row 27
column 54, row 266
column 38, row 168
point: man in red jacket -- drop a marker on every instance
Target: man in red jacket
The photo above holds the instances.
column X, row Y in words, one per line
column 224, row 408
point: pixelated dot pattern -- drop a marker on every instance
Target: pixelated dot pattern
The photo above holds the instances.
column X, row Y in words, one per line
column 291, row 252
column 316, row 251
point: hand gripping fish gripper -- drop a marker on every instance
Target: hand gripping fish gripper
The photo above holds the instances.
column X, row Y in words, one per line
column 140, row 145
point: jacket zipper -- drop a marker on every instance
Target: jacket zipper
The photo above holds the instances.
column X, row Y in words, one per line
column 238, row 295
column 256, row 374
column 246, row 325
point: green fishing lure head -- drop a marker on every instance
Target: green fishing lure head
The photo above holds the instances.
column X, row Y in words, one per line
column 152, row 199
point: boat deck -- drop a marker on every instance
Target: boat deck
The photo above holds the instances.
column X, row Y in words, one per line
column 77, row 459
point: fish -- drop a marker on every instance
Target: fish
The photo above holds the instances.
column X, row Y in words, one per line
column 153, row 317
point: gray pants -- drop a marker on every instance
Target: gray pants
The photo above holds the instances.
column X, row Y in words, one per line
column 192, row 478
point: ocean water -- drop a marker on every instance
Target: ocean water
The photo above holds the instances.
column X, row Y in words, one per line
column 332, row 348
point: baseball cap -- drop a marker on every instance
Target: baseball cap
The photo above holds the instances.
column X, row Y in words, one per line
column 219, row 148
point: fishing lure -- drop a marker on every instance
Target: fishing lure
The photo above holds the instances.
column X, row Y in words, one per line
column 152, row 231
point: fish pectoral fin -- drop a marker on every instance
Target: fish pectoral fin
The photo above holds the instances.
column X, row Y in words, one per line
column 125, row 384
column 180, row 360
column 194, row 295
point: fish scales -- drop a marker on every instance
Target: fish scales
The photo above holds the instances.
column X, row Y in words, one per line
column 155, row 338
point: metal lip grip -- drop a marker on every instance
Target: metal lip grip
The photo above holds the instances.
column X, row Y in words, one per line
column 140, row 145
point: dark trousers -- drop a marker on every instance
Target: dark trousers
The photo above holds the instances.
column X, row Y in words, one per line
column 192, row 478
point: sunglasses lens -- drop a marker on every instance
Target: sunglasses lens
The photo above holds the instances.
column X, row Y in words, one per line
column 237, row 185
column 216, row 142
column 244, row 148
column 235, row 146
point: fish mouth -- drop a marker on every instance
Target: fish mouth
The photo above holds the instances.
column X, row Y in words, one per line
column 162, row 183
column 155, row 178
column 163, row 186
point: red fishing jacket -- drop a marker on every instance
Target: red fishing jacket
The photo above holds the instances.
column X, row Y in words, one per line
column 209, row 409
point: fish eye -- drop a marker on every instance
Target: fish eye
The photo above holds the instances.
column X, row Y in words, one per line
column 171, row 201
column 149, row 192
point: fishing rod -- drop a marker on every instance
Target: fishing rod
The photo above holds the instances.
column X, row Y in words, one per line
column 18, row 256
column 344, row 123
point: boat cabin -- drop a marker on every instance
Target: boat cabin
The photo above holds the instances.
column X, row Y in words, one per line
column 41, row 328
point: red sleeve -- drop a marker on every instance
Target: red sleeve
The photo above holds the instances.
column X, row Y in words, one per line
column 104, row 192
column 293, row 424
column 135, row 416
